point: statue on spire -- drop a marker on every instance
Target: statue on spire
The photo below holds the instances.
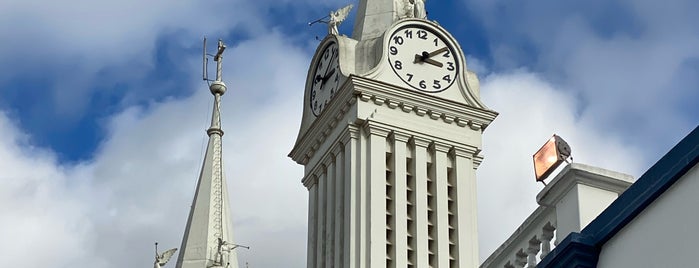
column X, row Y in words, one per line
column 162, row 258
column 419, row 9
column 410, row 9
column 337, row 17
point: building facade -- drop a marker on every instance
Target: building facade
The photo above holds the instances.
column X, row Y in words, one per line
column 390, row 140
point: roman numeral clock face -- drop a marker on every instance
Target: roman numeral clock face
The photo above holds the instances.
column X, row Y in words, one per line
column 422, row 59
column 326, row 79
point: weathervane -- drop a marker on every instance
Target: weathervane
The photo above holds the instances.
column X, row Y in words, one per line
column 334, row 19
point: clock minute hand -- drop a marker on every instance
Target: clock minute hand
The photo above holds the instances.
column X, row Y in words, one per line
column 328, row 75
column 437, row 52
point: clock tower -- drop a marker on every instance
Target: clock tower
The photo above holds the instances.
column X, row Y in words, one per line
column 390, row 140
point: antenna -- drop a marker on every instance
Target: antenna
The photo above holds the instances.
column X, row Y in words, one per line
column 204, row 62
column 217, row 58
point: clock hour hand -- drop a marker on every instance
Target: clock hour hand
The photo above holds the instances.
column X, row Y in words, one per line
column 434, row 62
column 426, row 59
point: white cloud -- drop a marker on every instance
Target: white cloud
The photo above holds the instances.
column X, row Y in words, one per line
column 531, row 110
column 631, row 64
column 138, row 187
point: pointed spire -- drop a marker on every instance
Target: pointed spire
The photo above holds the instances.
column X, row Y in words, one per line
column 375, row 16
column 209, row 224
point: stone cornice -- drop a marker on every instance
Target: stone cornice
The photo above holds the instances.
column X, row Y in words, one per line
column 394, row 97
column 422, row 104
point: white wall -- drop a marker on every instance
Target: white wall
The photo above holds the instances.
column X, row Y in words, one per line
column 665, row 234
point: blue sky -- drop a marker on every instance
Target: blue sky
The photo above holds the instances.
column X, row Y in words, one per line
column 102, row 110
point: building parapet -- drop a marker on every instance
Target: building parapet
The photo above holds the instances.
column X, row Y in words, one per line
column 576, row 196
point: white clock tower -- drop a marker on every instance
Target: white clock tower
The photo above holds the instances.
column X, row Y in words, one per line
column 390, row 140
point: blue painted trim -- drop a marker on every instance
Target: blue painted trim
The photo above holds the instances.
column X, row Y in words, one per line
column 577, row 248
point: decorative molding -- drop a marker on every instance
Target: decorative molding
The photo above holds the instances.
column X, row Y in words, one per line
column 434, row 115
column 440, row 147
column 422, row 104
column 367, row 90
column 420, row 142
column 373, row 128
column 462, row 152
column 400, row 136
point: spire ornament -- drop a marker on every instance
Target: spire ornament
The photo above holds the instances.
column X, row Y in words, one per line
column 162, row 258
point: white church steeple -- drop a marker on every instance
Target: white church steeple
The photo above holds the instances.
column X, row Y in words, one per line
column 208, row 236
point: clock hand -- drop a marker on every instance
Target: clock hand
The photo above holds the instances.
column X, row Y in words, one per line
column 426, row 59
column 437, row 52
column 328, row 75
column 433, row 62
column 326, row 70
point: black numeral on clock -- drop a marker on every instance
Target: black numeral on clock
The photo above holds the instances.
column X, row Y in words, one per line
column 410, row 77
column 398, row 65
column 394, row 50
column 422, row 34
column 447, row 78
column 436, row 85
column 398, row 40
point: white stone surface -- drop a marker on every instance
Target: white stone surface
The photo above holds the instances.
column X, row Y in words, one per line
column 397, row 164
column 664, row 234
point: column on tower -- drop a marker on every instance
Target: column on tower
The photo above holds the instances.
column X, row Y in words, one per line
column 376, row 205
column 338, row 151
column 329, row 162
column 312, row 219
column 421, row 254
column 351, row 198
column 400, row 203
column 439, row 206
column 464, row 179
column 320, row 220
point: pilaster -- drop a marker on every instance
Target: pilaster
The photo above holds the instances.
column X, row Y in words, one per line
column 376, row 206
column 466, row 208
column 400, row 199
column 439, row 177
column 419, row 168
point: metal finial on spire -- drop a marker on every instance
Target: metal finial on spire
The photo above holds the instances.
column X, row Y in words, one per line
column 217, row 88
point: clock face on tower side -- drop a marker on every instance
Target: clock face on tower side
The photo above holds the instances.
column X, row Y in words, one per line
column 326, row 79
column 422, row 58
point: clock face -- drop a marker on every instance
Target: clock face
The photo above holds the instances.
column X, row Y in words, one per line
column 422, row 59
column 326, row 79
